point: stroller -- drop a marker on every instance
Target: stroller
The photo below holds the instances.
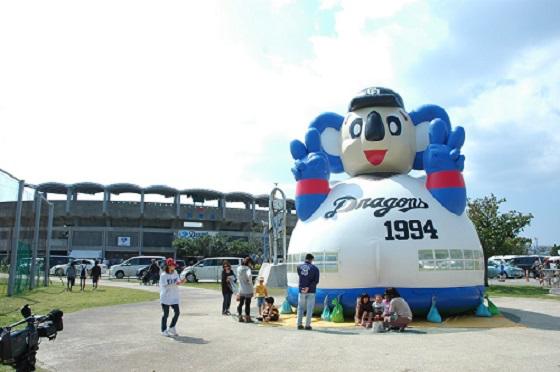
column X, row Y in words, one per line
column 146, row 277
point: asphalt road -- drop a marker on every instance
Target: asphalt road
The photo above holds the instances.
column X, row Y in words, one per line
column 126, row 338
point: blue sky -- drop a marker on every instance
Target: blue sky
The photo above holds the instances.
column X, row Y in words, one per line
column 209, row 94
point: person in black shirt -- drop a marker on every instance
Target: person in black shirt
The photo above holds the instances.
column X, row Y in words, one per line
column 154, row 271
column 228, row 283
column 83, row 273
column 95, row 274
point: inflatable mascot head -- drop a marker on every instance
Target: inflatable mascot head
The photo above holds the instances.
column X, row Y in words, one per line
column 377, row 135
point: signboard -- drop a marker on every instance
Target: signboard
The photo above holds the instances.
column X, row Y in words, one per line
column 123, row 241
column 186, row 234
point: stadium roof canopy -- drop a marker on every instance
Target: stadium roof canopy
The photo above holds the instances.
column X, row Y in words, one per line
column 161, row 190
column 53, row 188
column 262, row 200
column 201, row 195
column 242, row 197
column 290, row 204
column 87, row 187
column 119, row 188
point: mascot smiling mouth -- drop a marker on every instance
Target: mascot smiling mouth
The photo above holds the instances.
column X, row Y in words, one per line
column 375, row 157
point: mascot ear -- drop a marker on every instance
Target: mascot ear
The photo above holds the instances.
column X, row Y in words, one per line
column 422, row 117
column 328, row 124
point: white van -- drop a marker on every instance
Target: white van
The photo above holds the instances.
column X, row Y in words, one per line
column 209, row 269
column 130, row 266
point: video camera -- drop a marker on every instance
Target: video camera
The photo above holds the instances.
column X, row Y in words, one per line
column 19, row 348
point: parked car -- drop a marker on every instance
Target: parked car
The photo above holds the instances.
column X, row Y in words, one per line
column 525, row 262
column 59, row 260
column 209, row 269
column 60, row 270
column 131, row 266
column 511, row 271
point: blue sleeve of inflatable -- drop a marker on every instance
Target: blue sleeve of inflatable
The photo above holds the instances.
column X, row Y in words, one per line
column 444, row 164
column 311, row 171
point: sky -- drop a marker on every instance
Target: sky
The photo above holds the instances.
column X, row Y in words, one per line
column 210, row 93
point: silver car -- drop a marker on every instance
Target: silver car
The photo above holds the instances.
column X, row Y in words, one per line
column 209, row 269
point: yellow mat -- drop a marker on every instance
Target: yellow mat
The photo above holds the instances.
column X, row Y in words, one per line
column 459, row 321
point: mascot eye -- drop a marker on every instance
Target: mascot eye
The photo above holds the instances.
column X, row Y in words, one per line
column 394, row 124
column 356, row 128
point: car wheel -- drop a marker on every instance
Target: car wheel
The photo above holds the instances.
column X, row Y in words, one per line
column 190, row 278
column 59, row 272
column 119, row 274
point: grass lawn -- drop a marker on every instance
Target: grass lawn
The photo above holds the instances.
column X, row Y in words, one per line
column 44, row 299
column 519, row 291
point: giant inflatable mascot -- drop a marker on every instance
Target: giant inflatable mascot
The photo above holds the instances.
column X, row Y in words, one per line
column 383, row 227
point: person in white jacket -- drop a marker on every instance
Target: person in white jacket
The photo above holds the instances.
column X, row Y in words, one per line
column 169, row 296
column 244, row 276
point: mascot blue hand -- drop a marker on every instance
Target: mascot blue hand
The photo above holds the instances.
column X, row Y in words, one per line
column 444, row 163
column 311, row 162
column 444, row 151
column 311, row 171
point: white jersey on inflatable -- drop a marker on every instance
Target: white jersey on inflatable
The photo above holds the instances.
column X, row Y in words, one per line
column 382, row 227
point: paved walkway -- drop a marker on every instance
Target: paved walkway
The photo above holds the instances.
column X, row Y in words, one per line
column 126, row 338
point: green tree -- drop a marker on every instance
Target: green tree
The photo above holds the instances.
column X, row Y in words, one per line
column 217, row 245
column 498, row 232
column 555, row 250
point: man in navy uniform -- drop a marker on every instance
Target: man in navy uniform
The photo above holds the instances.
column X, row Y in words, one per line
column 308, row 280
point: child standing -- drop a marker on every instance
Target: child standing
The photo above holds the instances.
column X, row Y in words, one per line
column 95, row 274
column 261, row 293
column 169, row 296
column 83, row 273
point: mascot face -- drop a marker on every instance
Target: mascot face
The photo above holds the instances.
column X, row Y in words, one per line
column 377, row 140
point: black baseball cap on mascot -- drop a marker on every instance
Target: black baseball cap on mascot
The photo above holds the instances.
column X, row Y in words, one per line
column 376, row 96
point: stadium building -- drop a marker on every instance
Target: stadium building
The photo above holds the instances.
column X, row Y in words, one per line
column 88, row 218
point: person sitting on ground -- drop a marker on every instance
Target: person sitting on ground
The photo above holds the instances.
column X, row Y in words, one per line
column 364, row 311
column 261, row 292
column 95, row 274
column 378, row 308
column 70, row 276
column 270, row 312
column 399, row 315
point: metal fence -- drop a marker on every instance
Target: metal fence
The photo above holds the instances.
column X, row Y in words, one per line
column 25, row 229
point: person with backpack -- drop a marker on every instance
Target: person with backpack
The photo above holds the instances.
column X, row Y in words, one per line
column 308, row 279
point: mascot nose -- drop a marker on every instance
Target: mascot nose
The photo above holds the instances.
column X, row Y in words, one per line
column 375, row 131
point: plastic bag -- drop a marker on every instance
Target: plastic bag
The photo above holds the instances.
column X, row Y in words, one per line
column 482, row 310
column 492, row 308
column 286, row 308
column 433, row 314
column 326, row 315
column 378, row 327
column 337, row 314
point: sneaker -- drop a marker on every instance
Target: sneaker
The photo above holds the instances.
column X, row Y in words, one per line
column 241, row 320
column 300, row 327
column 308, row 328
column 227, row 312
column 172, row 331
column 165, row 333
